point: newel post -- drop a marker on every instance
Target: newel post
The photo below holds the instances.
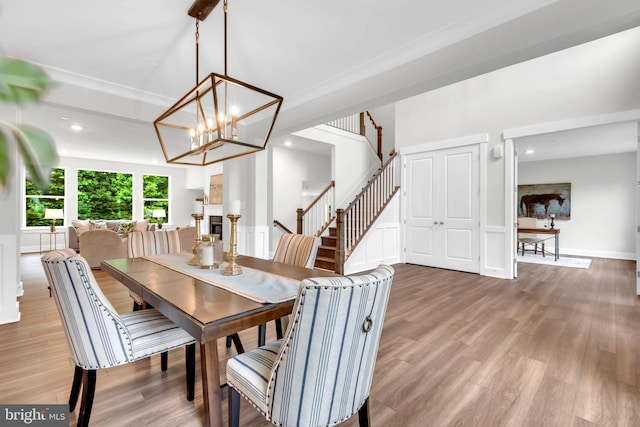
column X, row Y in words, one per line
column 363, row 131
column 299, row 213
column 339, row 242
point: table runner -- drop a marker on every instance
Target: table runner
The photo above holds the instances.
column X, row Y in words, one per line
column 256, row 285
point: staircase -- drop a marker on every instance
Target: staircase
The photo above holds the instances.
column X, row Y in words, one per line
column 347, row 227
column 326, row 257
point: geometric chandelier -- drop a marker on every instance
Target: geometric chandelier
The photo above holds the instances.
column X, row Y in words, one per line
column 221, row 117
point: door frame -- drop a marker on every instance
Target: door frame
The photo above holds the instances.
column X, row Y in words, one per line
column 511, row 181
column 481, row 140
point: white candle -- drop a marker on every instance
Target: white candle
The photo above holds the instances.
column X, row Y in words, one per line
column 235, row 207
column 197, row 207
column 206, row 255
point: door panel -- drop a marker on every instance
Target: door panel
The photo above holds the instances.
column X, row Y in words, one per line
column 442, row 196
column 419, row 215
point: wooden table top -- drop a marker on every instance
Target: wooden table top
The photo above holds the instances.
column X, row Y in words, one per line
column 204, row 310
column 539, row 230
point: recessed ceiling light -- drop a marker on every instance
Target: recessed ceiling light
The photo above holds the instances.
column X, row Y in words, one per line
column 287, row 143
column 64, row 118
column 76, row 127
column 529, row 151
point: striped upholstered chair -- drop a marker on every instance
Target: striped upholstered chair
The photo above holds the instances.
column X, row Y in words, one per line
column 293, row 249
column 320, row 373
column 297, row 249
column 98, row 336
column 157, row 242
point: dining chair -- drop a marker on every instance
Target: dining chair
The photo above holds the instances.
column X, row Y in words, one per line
column 293, row 249
column 98, row 336
column 529, row 239
column 142, row 243
column 320, row 373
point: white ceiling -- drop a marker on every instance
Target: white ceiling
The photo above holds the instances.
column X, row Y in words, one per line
column 582, row 142
column 119, row 64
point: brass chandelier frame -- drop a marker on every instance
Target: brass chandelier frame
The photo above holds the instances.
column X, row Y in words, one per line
column 209, row 138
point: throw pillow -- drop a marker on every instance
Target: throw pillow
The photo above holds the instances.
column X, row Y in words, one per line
column 97, row 225
column 126, row 228
column 81, row 225
column 141, row 225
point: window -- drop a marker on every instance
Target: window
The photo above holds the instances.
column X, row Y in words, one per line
column 155, row 194
column 36, row 201
column 105, row 195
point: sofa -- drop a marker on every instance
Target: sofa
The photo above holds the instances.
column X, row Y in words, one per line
column 78, row 227
column 96, row 245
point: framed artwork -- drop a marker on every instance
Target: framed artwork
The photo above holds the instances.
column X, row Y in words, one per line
column 215, row 189
column 542, row 200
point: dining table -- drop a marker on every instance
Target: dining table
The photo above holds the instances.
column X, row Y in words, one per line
column 210, row 306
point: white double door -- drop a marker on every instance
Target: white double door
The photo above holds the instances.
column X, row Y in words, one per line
column 442, row 208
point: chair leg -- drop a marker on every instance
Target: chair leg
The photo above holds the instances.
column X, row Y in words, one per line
column 262, row 334
column 88, row 392
column 136, row 306
column 228, row 341
column 75, row 388
column 363, row 414
column 543, row 250
column 190, row 360
column 234, row 408
column 279, row 334
column 164, row 360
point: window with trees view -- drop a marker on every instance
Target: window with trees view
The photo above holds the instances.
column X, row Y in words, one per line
column 105, row 195
column 36, row 200
column 155, row 194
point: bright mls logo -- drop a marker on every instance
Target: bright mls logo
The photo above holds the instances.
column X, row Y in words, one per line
column 34, row 415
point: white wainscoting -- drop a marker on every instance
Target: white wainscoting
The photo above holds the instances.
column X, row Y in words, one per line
column 495, row 258
column 10, row 285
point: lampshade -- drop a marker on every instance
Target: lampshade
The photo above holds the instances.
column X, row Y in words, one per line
column 220, row 118
column 158, row 213
column 53, row 214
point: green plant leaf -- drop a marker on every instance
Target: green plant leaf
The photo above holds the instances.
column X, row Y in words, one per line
column 5, row 164
column 38, row 151
column 21, row 82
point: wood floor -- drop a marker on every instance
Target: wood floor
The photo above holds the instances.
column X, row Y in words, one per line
column 556, row 347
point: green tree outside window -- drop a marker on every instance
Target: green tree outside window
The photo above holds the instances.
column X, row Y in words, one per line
column 155, row 194
column 37, row 200
column 105, row 195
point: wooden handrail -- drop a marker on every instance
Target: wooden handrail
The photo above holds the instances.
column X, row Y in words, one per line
column 319, row 196
column 277, row 223
column 367, row 185
column 357, row 124
column 353, row 222
column 319, row 214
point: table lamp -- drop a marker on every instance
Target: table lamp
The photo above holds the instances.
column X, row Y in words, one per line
column 159, row 214
column 53, row 214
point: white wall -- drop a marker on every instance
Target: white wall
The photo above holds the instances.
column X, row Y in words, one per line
column 353, row 160
column 597, row 78
column 10, row 284
column 290, row 168
column 603, row 204
column 179, row 210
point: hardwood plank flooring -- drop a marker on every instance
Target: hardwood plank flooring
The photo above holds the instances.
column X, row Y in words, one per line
column 556, row 347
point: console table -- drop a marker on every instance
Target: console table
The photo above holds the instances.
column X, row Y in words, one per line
column 53, row 239
column 554, row 231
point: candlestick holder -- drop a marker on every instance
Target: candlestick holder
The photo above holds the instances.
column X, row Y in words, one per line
column 232, row 268
column 198, row 239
